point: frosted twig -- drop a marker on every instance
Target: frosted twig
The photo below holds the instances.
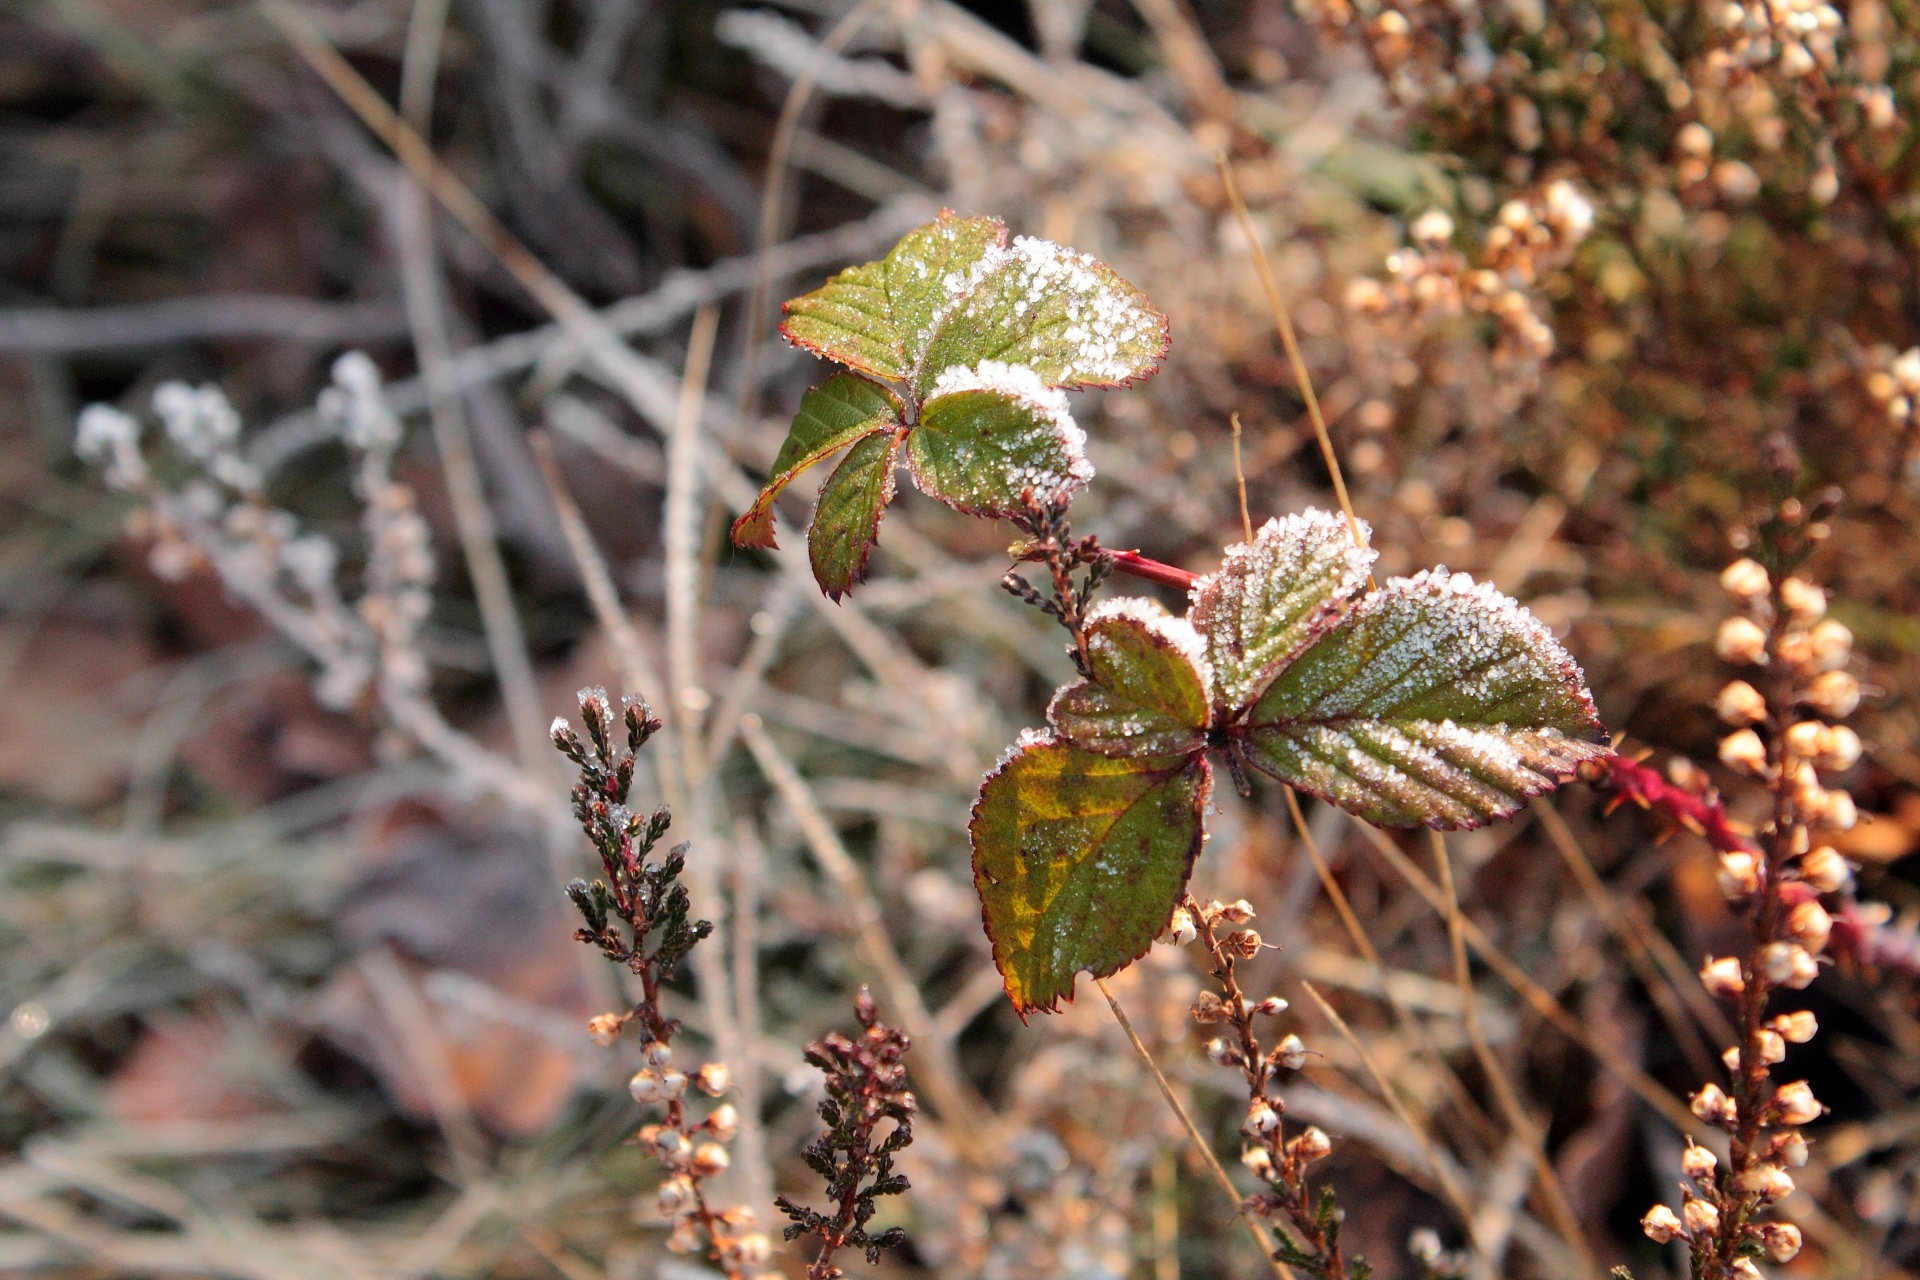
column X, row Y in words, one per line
column 55, row 331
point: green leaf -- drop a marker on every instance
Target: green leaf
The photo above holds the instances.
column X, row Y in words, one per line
column 877, row 317
column 1148, row 694
column 1434, row 702
column 831, row 417
column 1067, row 316
column 1273, row 597
column 989, row 434
column 846, row 518
column 1079, row 859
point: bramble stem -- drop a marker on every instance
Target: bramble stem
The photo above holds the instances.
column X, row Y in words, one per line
column 1139, row 566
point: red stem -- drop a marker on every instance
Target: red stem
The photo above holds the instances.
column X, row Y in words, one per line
column 1166, row 575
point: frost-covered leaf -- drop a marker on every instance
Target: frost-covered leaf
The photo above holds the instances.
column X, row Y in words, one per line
column 1148, row 694
column 878, row 316
column 1067, row 316
column 831, row 417
column 1435, row 701
column 846, row 518
column 1273, row 597
column 1079, row 859
column 988, row 434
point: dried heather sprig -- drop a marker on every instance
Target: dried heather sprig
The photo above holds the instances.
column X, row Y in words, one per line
column 866, row 1096
column 1278, row 1159
column 649, row 898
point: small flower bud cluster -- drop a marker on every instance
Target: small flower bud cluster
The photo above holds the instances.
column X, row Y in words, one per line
column 1784, row 626
column 694, row 1152
column 219, row 519
column 1431, row 282
column 1894, row 379
column 1796, row 36
column 1278, row 1159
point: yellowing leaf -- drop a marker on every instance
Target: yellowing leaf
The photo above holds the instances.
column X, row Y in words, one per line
column 989, row 435
column 846, row 518
column 1148, row 694
column 877, row 317
column 832, row 416
column 1079, row 859
column 1436, row 701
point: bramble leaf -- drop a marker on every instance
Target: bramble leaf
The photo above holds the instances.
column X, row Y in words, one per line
column 1273, row 597
column 1067, row 316
column 1079, row 859
column 989, row 434
column 846, row 517
column 1149, row 691
column 877, row 317
column 832, row 416
column 1436, row 701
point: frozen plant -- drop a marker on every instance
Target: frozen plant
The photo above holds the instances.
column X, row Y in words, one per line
column 202, row 505
column 648, row 898
column 869, row 1115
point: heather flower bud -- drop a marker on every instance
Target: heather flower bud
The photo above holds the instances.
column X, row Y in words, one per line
column 1787, row 964
column 1797, row 1027
column 1272, row 1006
column 1180, row 929
column 1781, row 1240
column 1242, row 943
column 710, row 1159
column 1795, row 1104
column 1722, row 977
column 1743, row 1268
column 1698, row 1162
column 1804, row 601
column 1806, row 737
column 657, row 1053
column 1839, row 749
column 1222, row 1054
column 646, row 1087
column 675, row 1194
column 1744, row 750
column 1261, row 1119
column 684, row 1238
column 604, row 1028
column 1790, row 1149
column 1740, row 704
column 1772, row 1046
column 1769, row 1182
column 1257, row 1161
column 1310, row 1145
column 1712, row 1105
column 1837, row 812
column 1239, row 911
column 672, row 1084
column 724, row 1123
column 1745, row 580
column 1661, row 1224
column 1834, row 693
column 1810, row 924
column 1208, row 1009
column 1700, row 1216
column 1290, row 1053
column 1741, row 642
column 1730, row 1057
column 753, row 1248
column 672, row 1147
column 1829, row 646
column 713, row 1079
column 1739, row 876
